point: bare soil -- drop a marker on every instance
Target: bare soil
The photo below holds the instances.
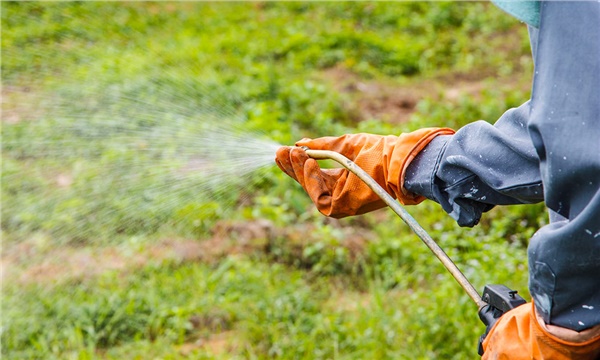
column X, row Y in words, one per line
column 32, row 262
column 19, row 104
column 395, row 102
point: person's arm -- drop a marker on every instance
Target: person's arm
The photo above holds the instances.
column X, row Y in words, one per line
column 339, row 193
column 482, row 165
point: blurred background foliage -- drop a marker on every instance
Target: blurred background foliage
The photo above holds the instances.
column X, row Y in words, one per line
column 104, row 261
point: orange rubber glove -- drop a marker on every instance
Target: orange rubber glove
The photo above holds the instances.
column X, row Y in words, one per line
column 338, row 192
column 520, row 334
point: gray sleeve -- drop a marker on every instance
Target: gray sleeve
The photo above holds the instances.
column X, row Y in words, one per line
column 480, row 166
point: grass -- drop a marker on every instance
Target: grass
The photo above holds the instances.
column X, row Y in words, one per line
column 86, row 84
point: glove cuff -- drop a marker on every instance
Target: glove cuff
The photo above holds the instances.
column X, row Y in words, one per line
column 566, row 336
column 408, row 146
column 519, row 334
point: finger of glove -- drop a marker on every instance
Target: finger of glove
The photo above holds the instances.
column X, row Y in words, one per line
column 348, row 145
column 298, row 160
column 284, row 161
column 320, row 184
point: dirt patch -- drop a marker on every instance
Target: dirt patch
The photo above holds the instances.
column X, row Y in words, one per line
column 395, row 102
column 216, row 344
column 64, row 180
column 20, row 103
column 372, row 99
column 25, row 263
column 36, row 262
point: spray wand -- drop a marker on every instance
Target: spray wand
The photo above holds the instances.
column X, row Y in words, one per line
column 496, row 300
column 404, row 215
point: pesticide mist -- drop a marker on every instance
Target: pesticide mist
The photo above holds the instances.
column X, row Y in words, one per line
column 87, row 163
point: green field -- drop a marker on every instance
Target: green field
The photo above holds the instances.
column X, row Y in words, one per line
column 115, row 247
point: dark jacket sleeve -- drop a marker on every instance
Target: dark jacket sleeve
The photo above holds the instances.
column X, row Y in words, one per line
column 480, row 166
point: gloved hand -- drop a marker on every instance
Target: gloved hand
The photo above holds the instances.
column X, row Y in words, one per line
column 519, row 334
column 338, row 192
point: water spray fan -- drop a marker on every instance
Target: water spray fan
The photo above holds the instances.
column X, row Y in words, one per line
column 496, row 299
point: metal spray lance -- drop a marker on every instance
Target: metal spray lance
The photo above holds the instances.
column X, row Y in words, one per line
column 496, row 300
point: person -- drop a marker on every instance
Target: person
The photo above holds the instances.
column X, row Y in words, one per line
column 548, row 149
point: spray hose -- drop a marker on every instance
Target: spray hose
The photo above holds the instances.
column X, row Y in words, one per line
column 405, row 216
